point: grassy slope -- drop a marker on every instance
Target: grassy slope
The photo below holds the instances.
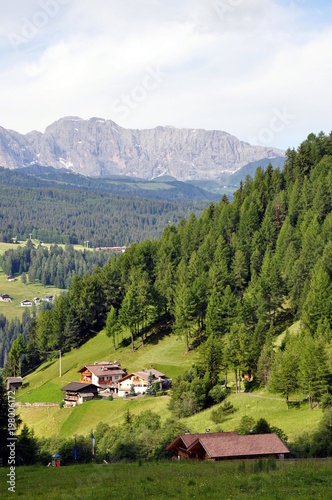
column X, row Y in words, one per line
column 293, row 422
column 43, row 385
column 168, row 355
column 293, row 330
column 186, row 480
column 65, row 422
column 18, row 292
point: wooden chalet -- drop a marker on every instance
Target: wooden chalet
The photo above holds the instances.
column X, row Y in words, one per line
column 13, row 383
column 77, row 393
column 104, row 374
column 10, row 278
column 228, row 446
column 140, row 381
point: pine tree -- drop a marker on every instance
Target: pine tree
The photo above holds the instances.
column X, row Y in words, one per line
column 284, row 373
column 150, row 390
column 112, row 325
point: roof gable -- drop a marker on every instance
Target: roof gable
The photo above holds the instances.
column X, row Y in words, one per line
column 78, row 387
column 233, row 445
column 104, row 368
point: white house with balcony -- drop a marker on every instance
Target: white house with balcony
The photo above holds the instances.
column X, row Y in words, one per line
column 140, row 381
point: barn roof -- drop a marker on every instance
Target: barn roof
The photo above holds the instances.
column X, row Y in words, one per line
column 78, row 386
column 230, row 444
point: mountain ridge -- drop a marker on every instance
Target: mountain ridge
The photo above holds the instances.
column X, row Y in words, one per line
column 99, row 148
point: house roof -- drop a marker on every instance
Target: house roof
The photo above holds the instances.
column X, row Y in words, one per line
column 144, row 374
column 77, row 386
column 187, row 439
column 14, row 380
column 230, row 444
column 103, row 368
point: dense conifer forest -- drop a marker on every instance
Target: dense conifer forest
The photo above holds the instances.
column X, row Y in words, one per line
column 55, row 266
column 58, row 207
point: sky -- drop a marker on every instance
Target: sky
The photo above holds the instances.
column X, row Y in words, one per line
column 258, row 69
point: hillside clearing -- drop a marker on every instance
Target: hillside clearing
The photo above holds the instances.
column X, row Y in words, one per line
column 43, row 385
column 18, row 291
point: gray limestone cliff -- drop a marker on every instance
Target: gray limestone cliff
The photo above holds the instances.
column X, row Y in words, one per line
column 98, row 147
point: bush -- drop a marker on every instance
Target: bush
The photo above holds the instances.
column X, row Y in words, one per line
column 326, row 401
column 246, row 425
column 110, row 397
column 219, row 414
column 218, row 393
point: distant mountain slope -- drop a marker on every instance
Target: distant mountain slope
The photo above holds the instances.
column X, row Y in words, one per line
column 160, row 188
column 229, row 183
column 100, row 148
column 58, row 206
column 250, row 169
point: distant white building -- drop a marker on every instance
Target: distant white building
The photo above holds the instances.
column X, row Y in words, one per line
column 48, row 298
column 26, row 303
column 5, row 298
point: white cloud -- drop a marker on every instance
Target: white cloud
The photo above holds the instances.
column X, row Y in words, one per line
column 226, row 69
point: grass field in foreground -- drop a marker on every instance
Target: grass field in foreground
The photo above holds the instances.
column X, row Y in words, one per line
column 310, row 479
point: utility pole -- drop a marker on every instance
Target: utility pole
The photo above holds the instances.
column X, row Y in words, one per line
column 87, row 243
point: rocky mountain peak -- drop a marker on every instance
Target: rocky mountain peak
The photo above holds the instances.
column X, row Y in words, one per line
column 99, row 147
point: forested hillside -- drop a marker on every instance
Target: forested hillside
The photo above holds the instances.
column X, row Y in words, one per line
column 68, row 208
column 230, row 282
column 54, row 266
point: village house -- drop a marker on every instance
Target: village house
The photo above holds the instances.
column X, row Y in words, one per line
column 140, row 380
column 228, row 446
column 10, row 278
column 77, row 393
column 104, row 374
column 5, row 298
column 36, row 300
column 26, row 303
column 48, row 298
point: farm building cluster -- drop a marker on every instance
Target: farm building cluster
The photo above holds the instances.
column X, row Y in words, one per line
column 106, row 379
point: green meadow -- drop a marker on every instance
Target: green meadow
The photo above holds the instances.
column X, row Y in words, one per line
column 310, row 479
column 19, row 291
